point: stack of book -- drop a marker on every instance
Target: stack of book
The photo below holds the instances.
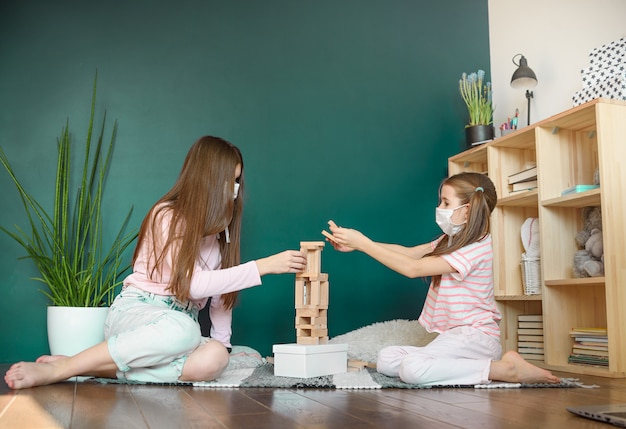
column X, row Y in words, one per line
column 523, row 180
column 591, row 346
column 530, row 336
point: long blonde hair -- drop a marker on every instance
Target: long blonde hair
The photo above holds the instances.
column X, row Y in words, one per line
column 479, row 192
column 200, row 204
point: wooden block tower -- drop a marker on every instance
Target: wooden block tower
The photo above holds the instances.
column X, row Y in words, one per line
column 312, row 297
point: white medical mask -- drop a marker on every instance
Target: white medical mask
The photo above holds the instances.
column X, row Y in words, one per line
column 235, row 194
column 236, row 191
column 443, row 217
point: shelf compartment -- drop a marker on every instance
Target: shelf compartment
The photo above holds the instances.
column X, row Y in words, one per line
column 578, row 200
column 567, row 157
column 520, row 199
column 586, row 281
column 506, row 158
column 472, row 160
column 575, row 306
column 511, row 307
column 508, row 247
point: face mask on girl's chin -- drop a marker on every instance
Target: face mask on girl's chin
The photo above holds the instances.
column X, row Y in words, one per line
column 443, row 217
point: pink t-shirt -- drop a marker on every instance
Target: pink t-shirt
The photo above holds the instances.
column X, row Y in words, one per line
column 207, row 280
column 464, row 297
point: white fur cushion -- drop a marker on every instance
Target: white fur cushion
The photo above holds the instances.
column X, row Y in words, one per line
column 365, row 343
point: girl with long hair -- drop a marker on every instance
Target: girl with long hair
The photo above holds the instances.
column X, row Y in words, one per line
column 187, row 254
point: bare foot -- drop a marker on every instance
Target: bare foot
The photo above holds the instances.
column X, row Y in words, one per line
column 49, row 358
column 514, row 369
column 30, row 374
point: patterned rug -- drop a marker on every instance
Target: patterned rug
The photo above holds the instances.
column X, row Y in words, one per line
column 247, row 368
column 367, row 378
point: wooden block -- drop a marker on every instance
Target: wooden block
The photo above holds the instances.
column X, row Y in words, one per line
column 328, row 235
column 315, row 287
column 313, row 245
column 360, row 364
column 300, row 293
column 311, row 312
column 324, row 294
column 312, row 321
column 308, row 332
column 313, row 252
column 311, row 340
column 323, row 277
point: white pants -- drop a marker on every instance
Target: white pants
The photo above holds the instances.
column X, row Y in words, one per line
column 460, row 356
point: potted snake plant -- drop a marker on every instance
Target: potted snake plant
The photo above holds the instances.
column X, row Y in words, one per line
column 66, row 243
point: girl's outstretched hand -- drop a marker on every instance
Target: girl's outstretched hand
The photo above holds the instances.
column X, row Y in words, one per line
column 289, row 261
column 343, row 239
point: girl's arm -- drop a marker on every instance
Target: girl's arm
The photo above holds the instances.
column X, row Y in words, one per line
column 408, row 261
column 221, row 321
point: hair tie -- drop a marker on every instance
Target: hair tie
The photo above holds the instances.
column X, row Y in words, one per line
column 479, row 188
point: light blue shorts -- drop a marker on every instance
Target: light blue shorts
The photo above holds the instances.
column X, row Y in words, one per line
column 150, row 336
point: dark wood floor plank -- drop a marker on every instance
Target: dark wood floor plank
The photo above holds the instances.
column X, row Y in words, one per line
column 306, row 412
column 221, row 402
column 167, row 407
column 424, row 402
column 365, row 406
column 233, row 408
column 102, row 406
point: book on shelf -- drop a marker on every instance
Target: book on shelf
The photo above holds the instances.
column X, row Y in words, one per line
column 538, row 325
column 588, row 360
column 591, row 346
column 531, row 356
column 578, row 188
column 530, row 344
column 523, row 176
column 530, row 318
column 530, row 351
column 577, row 351
column 529, row 331
column 531, row 338
column 523, row 186
column 589, row 332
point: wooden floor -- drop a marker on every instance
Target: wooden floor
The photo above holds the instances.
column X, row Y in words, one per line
column 94, row 406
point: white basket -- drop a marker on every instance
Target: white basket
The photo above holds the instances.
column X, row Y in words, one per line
column 531, row 275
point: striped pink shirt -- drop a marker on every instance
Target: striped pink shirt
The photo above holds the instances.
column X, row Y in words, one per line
column 464, row 297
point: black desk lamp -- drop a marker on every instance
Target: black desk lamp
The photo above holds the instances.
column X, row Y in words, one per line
column 524, row 78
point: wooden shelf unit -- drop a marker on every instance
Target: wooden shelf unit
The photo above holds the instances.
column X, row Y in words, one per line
column 567, row 149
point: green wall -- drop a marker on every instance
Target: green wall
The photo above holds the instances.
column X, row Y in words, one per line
column 343, row 109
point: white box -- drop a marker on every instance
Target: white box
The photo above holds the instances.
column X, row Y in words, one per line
column 304, row 361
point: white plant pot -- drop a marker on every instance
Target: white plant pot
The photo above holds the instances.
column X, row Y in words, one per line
column 74, row 329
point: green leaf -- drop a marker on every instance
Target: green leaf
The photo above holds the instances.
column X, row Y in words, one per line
column 66, row 245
